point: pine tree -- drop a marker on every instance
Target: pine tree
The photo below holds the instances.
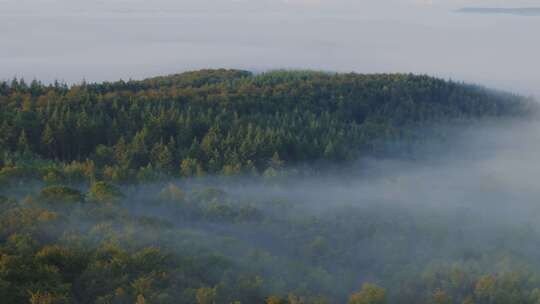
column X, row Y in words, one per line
column 162, row 157
column 22, row 143
column 48, row 141
column 121, row 153
column 276, row 161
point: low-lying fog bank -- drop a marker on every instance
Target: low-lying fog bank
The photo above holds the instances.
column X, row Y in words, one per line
column 441, row 218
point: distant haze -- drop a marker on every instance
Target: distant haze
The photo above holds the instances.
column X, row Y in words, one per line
column 525, row 11
column 113, row 39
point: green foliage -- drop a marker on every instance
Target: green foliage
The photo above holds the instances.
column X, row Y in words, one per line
column 47, row 298
column 190, row 167
column 206, row 296
column 52, row 176
column 207, row 246
column 172, row 193
column 226, row 121
column 60, row 194
column 14, row 174
column 5, row 201
column 202, row 245
column 369, row 294
column 103, row 192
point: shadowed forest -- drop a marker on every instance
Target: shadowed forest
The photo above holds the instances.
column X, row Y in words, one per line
column 224, row 186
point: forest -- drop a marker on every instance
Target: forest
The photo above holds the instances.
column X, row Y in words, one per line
column 285, row 187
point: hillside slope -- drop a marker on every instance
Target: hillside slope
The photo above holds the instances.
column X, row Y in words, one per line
column 92, row 211
column 227, row 121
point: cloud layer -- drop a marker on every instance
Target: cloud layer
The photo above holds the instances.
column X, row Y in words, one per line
column 107, row 40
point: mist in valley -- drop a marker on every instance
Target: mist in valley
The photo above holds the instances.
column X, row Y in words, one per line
column 465, row 200
column 166, row 190
column 470, row 198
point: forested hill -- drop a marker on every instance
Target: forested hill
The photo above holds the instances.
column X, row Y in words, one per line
column 93, row 209
column 224, row 121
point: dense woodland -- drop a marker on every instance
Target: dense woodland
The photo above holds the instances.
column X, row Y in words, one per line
column 222, row 122
column 123, row 193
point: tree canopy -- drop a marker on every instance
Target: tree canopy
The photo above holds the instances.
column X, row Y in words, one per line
column 226, row 121
column 109, row 194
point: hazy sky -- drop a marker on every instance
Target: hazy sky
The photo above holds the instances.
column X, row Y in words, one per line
column 111, row 39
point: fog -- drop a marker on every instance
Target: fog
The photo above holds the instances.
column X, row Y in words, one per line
column 489, row 167
column 467, row 196
column 108, row 40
